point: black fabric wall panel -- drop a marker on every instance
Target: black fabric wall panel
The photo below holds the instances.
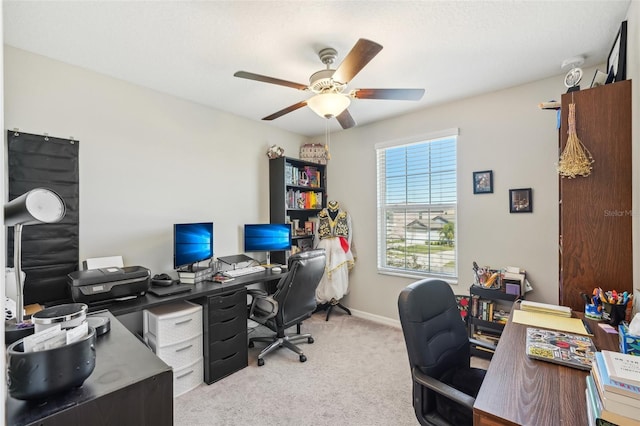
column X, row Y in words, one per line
column 49, row 251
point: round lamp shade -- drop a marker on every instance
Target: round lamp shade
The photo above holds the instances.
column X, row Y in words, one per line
column 328, row 105
column 39, row 205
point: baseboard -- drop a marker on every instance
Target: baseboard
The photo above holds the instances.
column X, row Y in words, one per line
column 375, row 318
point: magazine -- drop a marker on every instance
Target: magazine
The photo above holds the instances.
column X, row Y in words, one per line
column 559, row 347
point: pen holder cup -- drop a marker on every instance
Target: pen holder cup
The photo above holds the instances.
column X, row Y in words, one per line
column 614, row 314
column 591, row 311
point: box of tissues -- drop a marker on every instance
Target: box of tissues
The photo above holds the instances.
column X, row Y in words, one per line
column 629, row 343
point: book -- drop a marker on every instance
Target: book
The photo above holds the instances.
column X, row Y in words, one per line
column 610, row 401
column 221, row 278
column 603, row 416
column 613, row 386
column 623, row 368
column 591, row 420
column 610, row 396
column 558, row 347
column 197, row 272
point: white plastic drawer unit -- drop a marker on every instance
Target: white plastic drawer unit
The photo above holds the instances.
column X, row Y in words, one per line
column 179, row 354
column 187, row 377
column 172, row 323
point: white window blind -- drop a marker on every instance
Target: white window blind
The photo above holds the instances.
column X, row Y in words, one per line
column 417, row 203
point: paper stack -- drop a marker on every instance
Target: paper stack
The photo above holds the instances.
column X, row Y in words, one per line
column 546, row 308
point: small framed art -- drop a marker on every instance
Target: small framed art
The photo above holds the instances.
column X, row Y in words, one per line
column 520, row 200
column 617, row 60
column 483, row 182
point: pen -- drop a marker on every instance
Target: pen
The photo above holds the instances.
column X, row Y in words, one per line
column 586, row 327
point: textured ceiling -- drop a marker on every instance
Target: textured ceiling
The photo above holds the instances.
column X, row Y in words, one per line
column 190, row 49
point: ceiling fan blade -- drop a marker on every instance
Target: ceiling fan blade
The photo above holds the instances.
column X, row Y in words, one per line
column 391, row 94
column 359, row 56
column 265, row 79
column 345, row 119
column 287, row 110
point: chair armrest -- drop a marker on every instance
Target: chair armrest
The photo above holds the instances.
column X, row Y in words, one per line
column 263, row 305
column 443, row 388
column 483, row 344
column 257, row 292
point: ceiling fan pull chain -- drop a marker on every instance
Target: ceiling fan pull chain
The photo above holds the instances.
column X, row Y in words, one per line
column 326, row 138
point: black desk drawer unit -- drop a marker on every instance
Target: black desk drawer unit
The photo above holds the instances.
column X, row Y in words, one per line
column 225, row 334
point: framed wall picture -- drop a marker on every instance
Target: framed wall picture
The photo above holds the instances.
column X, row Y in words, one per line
column 483, row 182
column 617, row 60
column 520, row 200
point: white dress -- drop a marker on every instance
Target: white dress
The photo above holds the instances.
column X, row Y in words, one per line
column 335, row 237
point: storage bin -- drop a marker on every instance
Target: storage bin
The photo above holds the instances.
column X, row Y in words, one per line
column 173, row 322
column 178, row 354
column 187, row 378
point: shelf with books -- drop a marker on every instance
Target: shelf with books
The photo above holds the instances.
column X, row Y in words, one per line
column 489, row 312
column 297, row 193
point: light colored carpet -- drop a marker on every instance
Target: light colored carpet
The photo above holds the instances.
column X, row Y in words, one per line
column 357, row 373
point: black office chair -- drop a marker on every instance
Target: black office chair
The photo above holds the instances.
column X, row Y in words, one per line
column 293, row 301
column 444, row 383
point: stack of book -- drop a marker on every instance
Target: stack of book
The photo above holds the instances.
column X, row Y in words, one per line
column 613, row 390
column 196, row 275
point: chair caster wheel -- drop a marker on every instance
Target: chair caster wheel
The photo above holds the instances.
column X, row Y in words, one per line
column 260, row 362
column 303, row 358
column 251, row 344
column 310, row 340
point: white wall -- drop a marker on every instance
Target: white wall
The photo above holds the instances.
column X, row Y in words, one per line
column 503, row 131
column 147, row 160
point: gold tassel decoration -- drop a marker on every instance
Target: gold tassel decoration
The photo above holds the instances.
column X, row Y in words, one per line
column 576, row 159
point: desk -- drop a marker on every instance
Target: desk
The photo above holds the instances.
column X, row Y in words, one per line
column 522, row 391
column 129, row 386
column 198, row 290
column 224, row 314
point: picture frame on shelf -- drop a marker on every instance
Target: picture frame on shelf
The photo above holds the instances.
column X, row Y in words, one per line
column 617, row 59
column 520, row 200
column 483, row 182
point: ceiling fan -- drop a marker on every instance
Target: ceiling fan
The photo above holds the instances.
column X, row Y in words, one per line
column 329, row 85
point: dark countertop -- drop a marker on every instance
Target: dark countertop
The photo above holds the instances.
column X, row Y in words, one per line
column 122, row 360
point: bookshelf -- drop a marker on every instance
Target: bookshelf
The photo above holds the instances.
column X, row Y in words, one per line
column 297, row 193
column 488, row 306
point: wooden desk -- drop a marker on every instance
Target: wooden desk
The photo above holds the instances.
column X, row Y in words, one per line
column 522, row 391
column 129, row 386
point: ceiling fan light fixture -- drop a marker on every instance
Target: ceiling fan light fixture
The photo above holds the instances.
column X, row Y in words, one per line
column 328, row 105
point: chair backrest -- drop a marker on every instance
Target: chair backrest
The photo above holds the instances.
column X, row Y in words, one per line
column 435, row 335
column 296, row 293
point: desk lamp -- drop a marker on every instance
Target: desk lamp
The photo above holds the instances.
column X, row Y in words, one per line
column 39, row 205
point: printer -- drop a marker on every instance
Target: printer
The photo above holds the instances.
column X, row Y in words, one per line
column 103, row 284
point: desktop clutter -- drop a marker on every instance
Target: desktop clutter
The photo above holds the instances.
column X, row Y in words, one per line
column 609, row 306
column 60, row 354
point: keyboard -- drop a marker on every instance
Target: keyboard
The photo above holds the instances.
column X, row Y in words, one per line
column 243, row 271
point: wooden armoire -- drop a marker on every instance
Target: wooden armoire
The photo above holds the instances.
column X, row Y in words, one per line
column 595, row 211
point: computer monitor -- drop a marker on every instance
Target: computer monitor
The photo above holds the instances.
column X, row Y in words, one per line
column 267, row 237
column 192, row 243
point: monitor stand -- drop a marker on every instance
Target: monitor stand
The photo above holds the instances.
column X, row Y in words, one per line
column 268, row 263
column 237, row 258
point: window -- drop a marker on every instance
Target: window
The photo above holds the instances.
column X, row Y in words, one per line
column 417, row 203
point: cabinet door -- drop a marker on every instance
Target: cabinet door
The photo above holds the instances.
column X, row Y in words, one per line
column 595, row 212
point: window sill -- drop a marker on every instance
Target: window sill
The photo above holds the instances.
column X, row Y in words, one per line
column 418, row 276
